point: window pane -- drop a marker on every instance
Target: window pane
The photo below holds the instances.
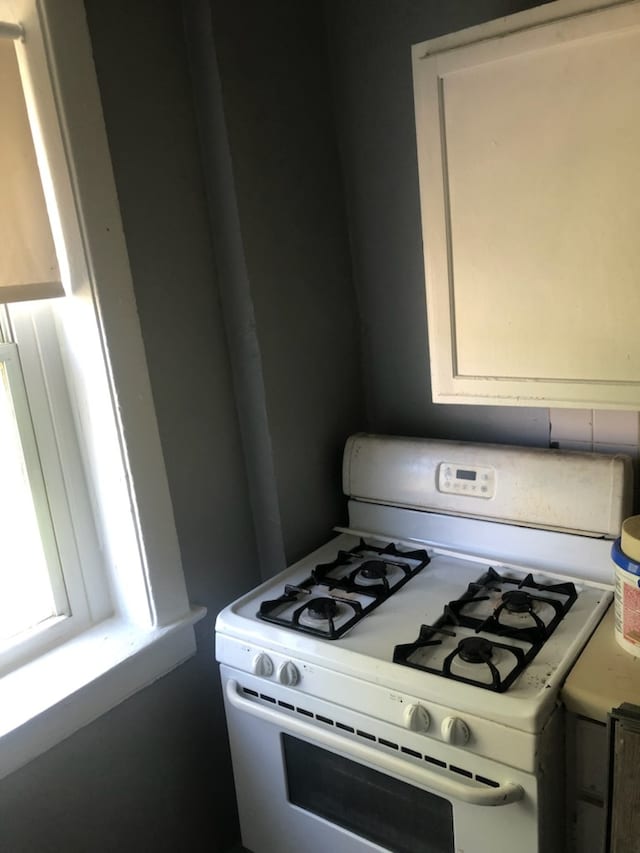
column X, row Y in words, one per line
column 26, row 597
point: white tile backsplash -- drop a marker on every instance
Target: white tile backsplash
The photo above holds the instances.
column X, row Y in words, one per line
column 600, row 432
column 571, row 425
column 616, row 428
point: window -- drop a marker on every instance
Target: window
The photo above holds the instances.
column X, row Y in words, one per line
column 51, row 574
column 32, row 591
column 106, row 610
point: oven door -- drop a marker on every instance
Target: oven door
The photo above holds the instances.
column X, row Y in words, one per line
column 302, row 785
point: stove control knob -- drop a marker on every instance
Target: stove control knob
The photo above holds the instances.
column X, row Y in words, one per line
column 455, row 731
column 263, row 665
column 288, row 674
column 416, row 718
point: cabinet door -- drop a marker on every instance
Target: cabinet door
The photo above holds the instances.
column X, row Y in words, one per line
column 528, row 149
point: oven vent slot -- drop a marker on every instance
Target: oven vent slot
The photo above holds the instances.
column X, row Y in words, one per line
column 368, row 736
column 461, row 771
column 365, row 735
column 486, row 781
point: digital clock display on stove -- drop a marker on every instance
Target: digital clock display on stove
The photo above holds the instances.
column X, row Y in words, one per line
column 461, row 474
column 472, row 481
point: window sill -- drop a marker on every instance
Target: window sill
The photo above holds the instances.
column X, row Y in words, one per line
column 48, row 699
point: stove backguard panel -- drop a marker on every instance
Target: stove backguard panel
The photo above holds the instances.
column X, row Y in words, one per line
column 584, row 493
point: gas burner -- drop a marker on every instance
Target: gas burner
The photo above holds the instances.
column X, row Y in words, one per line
column 475, row 650
column 525, row 610
column 322, row 609
column 326, row 617
column 517, row 601
column 373, row 570
column 433, row 652
column 370, row 570
column 359, row 580
column 514, row 623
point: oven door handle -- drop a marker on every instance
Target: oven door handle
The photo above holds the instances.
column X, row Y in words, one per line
column 507, row 792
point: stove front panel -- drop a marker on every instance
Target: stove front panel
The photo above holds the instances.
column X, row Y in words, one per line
column 305, row 784
column 381, row 714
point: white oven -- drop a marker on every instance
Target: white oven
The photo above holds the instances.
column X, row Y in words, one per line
column 397, row 689
column 307, row 784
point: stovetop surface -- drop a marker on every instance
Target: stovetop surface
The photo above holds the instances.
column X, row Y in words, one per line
column 366, row 649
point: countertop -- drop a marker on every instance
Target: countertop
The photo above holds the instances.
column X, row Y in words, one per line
column 604, row 677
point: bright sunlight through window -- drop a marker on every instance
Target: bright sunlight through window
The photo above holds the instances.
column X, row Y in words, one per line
column 26, row 594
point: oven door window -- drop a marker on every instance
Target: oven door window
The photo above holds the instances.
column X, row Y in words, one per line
column 367, row 802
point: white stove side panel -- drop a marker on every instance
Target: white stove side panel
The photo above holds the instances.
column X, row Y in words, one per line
column 560, row 490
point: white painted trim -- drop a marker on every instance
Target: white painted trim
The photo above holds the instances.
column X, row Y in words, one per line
column 35, row 332
column 10, row 359
column 101, row 325
column 52, row 697
column 107, row 292
column 536, row 16
column 110, row 403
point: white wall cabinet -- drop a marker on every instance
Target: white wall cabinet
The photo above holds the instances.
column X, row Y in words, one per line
column 528, row 133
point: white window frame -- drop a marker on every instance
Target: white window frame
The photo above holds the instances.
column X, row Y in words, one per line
column 61, row 495
column 85, row 354
column 69, row 602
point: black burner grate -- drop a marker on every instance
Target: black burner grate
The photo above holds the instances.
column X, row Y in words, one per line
column 367, row 578
column 520, row 597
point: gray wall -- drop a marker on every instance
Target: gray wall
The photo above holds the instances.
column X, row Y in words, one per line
column 276, row 96
column 370, row 43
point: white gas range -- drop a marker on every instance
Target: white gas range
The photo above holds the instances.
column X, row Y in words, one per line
column 397, row 689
